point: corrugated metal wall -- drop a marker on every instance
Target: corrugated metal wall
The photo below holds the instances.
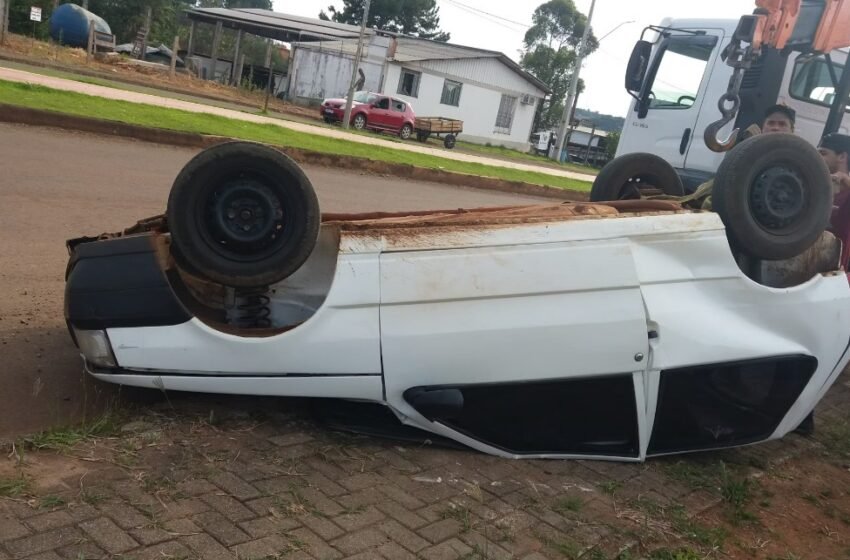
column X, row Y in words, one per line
column 319, row 75
column 484, row 71
column 322, row 71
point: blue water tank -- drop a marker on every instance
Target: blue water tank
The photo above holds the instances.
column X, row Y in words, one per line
column 69, row 24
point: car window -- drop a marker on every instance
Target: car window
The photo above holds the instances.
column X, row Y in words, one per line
column 812, row 80
column 683, row 64
column 383, row 103
column 399, row 106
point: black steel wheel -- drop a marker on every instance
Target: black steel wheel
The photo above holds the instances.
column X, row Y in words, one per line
column 633, row 176
column 243, row 215
column 774, row 194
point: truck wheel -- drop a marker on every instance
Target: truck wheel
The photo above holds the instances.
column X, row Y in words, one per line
column 450, row 141
column 243, row 215
column 774, row 194
column 631, row 175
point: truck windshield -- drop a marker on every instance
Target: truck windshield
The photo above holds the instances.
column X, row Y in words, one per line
column 682, row 67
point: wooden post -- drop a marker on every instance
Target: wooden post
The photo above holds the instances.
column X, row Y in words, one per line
column 239, row 68
column 90, row 48
column 174, row 55
column 215, row 45
column 270, row 66
column 190, row 49
column 234, row 78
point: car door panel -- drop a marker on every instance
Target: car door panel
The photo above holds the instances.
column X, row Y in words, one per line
column 539, row 321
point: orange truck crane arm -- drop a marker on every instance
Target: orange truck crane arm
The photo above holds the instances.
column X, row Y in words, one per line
column 777, row 22
column 810, row 26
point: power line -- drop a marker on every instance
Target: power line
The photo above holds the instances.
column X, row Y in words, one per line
column 473, row 9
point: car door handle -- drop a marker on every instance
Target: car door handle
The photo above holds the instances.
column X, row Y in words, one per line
column 686, row 137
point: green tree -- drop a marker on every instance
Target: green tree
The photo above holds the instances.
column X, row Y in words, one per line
column 551, row 48
column 418, row 18
column 611, row 144
column 19, row 17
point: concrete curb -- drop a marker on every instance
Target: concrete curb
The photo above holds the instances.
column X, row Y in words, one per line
column 38, row 117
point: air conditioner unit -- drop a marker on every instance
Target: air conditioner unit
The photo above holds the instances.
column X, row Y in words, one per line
column 526, row 99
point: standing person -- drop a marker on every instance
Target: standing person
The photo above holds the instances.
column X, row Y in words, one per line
column 835, row 150
column 779, row 118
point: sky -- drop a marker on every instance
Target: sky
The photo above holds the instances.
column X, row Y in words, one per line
column 505, row 22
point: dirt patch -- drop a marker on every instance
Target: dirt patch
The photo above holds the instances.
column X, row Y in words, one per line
column 802, row 507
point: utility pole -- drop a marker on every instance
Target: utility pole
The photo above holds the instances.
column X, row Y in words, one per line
column 568, row 107
column 350, row 99
column 144, row 49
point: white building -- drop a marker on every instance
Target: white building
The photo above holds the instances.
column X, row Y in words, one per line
column 490, row 93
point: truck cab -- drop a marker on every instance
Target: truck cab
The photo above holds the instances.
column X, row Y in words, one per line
column 684, row 75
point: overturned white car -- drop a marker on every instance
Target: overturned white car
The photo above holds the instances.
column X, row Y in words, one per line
column 618, row 330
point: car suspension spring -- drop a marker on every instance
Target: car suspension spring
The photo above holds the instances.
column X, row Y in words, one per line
column 252, row 308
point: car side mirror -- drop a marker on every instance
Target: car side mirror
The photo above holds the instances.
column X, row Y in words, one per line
column 638, row 65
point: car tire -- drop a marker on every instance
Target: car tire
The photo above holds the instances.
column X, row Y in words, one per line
column 422, row 136
column 243, row 215
column 774, row 195
column 450, row 141
column 359, row 121
column 405, row 132
column 623, row 178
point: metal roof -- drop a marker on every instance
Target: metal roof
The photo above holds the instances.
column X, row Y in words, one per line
column 283, row 27
column 413, row 49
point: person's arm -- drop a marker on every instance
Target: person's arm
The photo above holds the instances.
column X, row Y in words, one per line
column 840, row 182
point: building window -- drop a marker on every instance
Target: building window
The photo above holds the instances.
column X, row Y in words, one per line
column 451, row 93
column 505, row 116
column 408, row 83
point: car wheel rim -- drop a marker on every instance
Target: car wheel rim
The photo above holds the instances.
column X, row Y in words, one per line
column 245, row 217
column 777, row 198
column 359, row 122
column 405, row 133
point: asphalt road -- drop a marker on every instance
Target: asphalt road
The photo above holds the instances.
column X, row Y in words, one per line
column 55, row 185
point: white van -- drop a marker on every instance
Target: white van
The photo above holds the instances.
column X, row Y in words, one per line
column 686, row 76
